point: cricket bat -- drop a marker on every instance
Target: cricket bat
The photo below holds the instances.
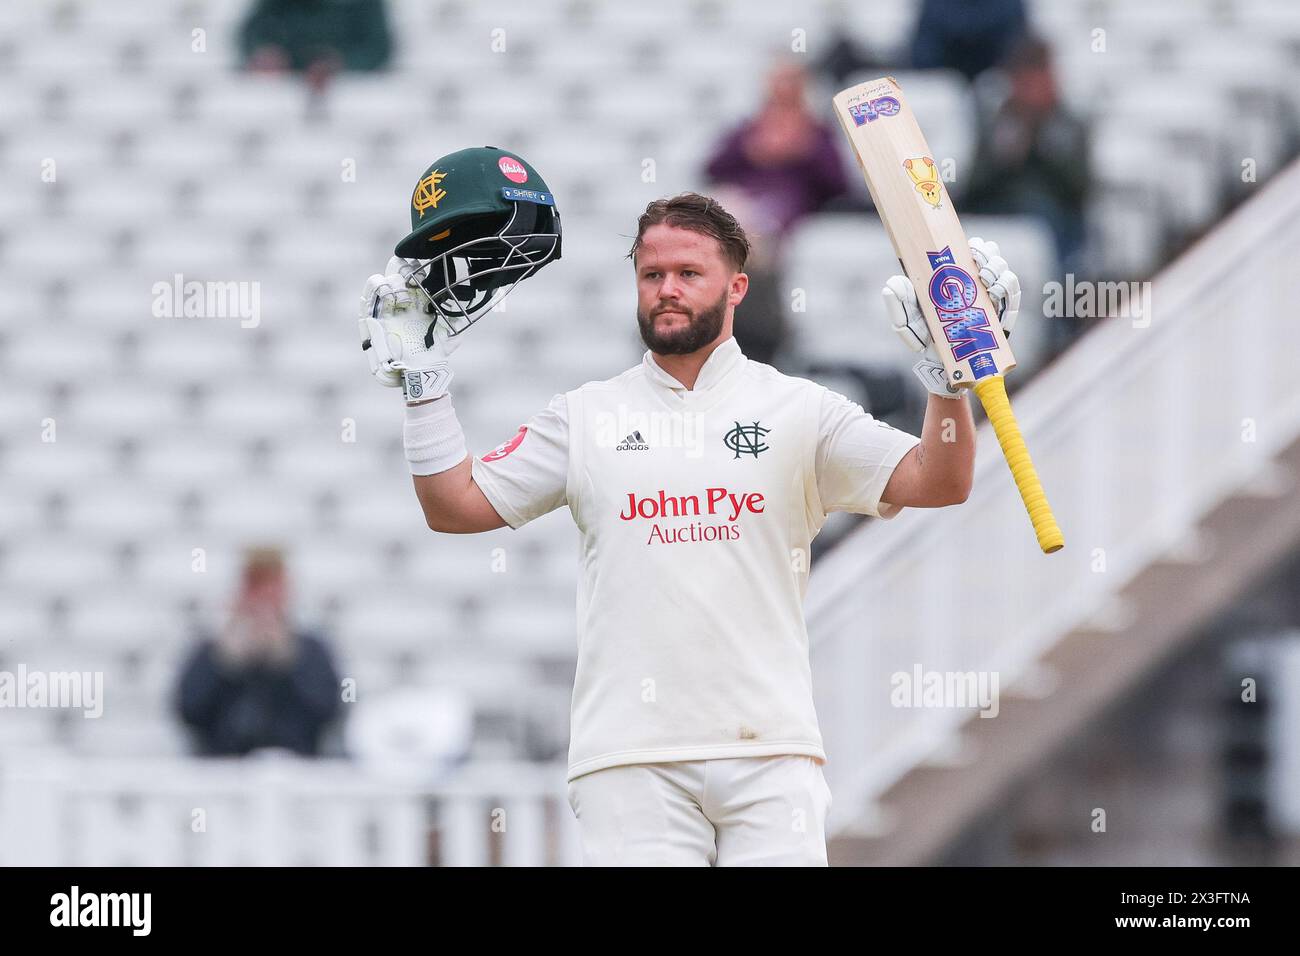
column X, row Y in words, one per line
column 917, row 212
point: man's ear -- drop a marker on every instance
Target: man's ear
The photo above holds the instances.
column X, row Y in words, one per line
column 739, row 286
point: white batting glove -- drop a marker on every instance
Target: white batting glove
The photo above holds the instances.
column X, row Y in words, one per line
column 406, row 347
column 904, row 312
column 1002, row 284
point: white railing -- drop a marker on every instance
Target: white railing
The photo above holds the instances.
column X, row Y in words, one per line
column 1137, row 431
column 278, row 810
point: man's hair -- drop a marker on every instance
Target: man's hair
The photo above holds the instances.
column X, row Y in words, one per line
column 261, row 562
column 1028, row 53
column 700, row 214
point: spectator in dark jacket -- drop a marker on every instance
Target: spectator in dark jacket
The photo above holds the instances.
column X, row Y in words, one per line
column 1032, row 156
column 968, row 36
column 259, row 683
column 315, row 37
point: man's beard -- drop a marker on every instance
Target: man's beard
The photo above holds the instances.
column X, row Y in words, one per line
column 701, row 329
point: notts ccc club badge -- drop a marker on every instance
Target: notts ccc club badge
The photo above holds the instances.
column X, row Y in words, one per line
column 746, row 439
column 428, row 192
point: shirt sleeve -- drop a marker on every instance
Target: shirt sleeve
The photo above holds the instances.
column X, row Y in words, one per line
column 856, row 454
column 526, row 476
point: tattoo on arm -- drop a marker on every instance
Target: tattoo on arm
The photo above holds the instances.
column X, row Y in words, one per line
column 920, row 455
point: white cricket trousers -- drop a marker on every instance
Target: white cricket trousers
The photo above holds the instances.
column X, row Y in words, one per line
column 736, row 811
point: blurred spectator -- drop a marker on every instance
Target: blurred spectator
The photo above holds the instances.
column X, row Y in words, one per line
column 845, row 58
column 1032, row 156
column 315, row 37
column 259, row 683
column 966, row 35
column 773, row 170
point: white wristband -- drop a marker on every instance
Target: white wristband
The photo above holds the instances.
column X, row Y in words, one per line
column 432, row 437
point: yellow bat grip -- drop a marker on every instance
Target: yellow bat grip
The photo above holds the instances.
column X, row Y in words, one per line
column 992, row 393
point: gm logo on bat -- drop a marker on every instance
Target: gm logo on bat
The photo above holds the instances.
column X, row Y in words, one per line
column 965, row 325
column 872, row 110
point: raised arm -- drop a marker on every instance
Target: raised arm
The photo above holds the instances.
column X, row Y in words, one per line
column 407, row 350
column 394, row 329
column 451, row 500
column 938, row 471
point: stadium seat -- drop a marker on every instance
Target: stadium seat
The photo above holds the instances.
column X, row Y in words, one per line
column 117, row 511
column 419, row 623
column 840, row 263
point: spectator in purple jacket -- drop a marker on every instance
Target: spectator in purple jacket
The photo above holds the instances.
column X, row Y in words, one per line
column 784, row 158
column 774, row 168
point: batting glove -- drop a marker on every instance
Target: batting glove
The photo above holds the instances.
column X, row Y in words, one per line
column 406, row 345
column 904, row 312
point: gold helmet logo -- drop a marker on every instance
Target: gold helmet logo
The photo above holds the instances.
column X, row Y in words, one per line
column 427, row 192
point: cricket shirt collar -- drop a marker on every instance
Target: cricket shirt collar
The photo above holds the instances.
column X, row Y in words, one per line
column 725, row 361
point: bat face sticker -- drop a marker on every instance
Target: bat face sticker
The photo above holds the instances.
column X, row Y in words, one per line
column 925, row 175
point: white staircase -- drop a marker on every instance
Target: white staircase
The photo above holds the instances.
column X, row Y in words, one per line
column 1169, row 447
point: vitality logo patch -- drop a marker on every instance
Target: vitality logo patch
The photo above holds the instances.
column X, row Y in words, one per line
column 506, row 447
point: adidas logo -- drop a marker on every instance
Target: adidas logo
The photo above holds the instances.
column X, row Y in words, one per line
column 633, row 442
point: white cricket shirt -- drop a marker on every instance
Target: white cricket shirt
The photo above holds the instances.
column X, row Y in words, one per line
column 696, row 509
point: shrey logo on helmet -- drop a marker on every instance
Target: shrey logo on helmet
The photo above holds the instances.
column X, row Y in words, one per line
column 475, row 235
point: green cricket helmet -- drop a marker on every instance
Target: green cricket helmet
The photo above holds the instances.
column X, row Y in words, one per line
column 482, row 219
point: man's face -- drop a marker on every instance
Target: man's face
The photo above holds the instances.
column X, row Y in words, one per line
column 685, row 290
column 785, row 86
column 1034, row 88
column 266, row 590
